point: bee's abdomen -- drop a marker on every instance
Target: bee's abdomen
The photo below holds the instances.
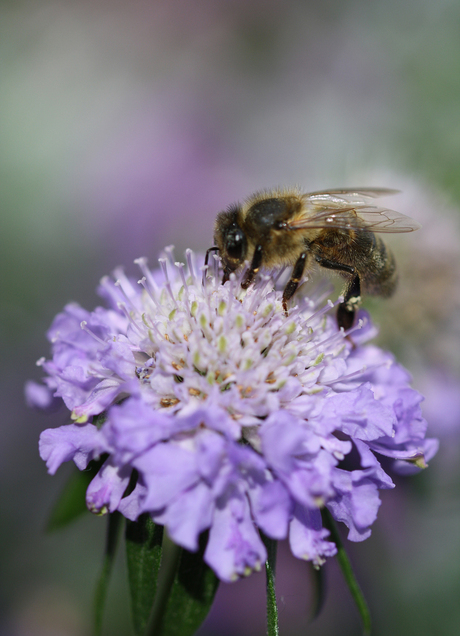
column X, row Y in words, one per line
column 380, row 277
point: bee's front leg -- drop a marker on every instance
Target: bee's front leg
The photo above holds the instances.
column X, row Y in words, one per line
column 293, row 282
column 253, row 267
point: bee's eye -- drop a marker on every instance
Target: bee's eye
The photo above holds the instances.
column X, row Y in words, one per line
column 236, row 245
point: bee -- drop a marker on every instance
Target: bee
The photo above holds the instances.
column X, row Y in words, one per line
column 335, row 229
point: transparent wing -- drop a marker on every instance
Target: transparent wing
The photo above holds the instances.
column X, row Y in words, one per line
column 347, row 196
column 351, row 209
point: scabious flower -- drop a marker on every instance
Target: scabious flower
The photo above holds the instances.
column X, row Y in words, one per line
column 228, row 415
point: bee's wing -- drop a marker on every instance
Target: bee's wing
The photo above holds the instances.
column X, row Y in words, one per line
column 347, row 196
column 350, row 209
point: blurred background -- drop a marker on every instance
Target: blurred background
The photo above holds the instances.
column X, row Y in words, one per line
column 125, row 127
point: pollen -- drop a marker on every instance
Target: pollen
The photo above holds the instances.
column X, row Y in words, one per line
column 169, row 401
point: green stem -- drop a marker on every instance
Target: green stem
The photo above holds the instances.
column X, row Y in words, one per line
column 318, row 584
column 270, row 570
column 348, row 573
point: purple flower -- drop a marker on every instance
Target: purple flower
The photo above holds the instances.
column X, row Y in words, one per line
column 236, row 418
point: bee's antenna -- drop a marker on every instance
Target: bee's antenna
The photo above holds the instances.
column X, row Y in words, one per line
column 206, row 261
column 211, row 249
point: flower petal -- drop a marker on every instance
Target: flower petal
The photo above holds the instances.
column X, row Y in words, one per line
column 355, row 504
column 106, row 489
column 72, row 441
column 234, row 547
column 188, row 515
column 307, row 537
column 167, row 470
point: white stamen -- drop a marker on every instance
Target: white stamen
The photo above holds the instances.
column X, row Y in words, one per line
column 215, row 269
column 119, row 283
column 124, row 283
column 180, row 267
column 320, row 312
column 356, row 374
column 142, row 264
column 164, row 269
column 204, row 272
column 124, row 309
column 143, row 282
column 169, row 251
column 84, row 326
column 190, row 265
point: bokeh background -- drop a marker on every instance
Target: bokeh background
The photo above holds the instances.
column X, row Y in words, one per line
column 125, row 127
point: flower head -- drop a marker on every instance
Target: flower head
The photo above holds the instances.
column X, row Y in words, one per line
column 234, row 417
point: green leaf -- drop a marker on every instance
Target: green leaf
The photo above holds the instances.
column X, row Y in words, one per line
column 143, row 553
column 348, row 573
column 113, row 533
column 72, row 500
column 270, row 571
column 185, row 594
column 99, row 420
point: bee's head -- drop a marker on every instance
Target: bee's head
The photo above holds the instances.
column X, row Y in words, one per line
column 230, row 239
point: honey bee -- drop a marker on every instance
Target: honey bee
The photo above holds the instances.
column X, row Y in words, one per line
column 335, row 229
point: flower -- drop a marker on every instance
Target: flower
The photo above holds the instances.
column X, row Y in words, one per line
column 235, row 417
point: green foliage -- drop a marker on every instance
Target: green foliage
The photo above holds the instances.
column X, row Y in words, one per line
column 100, row 596
column 143, row 554
column 188, row 587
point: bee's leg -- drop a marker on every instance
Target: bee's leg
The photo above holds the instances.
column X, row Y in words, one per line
column 253, row 268
column 346, row 311
column 293, row 282
column 339, row 267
